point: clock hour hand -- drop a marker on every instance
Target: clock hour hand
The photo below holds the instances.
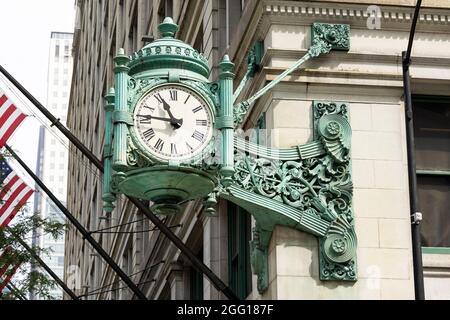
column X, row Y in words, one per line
column 173, row 121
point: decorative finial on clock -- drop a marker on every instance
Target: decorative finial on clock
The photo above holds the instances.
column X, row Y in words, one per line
column 168, row 28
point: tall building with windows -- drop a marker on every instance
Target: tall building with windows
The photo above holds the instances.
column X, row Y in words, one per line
column 54, row 155
column 368, row 78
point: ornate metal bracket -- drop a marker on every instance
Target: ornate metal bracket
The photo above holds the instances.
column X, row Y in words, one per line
column 308, row 187
column 325, row 37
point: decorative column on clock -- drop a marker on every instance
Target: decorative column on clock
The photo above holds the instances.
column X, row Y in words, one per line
column 225, row 120
column 108, row 196
column 121, row 117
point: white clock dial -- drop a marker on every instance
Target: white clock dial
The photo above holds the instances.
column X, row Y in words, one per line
column 173, row 122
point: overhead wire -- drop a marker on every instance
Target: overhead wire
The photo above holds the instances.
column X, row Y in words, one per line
column 95, row 291
column 112, row 290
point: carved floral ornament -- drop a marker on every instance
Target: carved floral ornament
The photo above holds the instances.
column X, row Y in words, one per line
column 307, row 187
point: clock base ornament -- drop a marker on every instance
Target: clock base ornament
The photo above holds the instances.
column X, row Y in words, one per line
column 167, row 186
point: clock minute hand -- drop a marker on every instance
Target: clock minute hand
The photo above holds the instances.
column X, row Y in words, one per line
column 149, row 117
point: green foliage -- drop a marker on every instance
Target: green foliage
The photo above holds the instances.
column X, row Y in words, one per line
column 27, row 280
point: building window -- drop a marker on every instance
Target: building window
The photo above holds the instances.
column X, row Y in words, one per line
column 57, row 51
column 239, row 235
column 233, row 15
column 432, row 142
column 196, row 281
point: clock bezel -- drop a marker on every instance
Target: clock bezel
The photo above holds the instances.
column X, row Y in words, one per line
column 197, row 156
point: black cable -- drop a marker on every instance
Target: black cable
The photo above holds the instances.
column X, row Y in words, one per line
column 117, row 226
column 132, row 232
column 112, row 290
column 117, row 281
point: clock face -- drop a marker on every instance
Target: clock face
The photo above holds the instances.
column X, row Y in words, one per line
column 173, row 122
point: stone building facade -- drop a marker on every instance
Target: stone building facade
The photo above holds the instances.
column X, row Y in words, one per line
column 368, row 78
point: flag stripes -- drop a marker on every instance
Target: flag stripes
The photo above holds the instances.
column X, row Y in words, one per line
column 9, row 264
column 10, row 118
column 14, row 193
column 4, row 258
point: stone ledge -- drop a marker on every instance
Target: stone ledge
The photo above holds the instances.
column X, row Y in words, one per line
column 436, row 260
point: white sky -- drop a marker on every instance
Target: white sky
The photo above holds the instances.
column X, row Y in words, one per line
column 25, row 27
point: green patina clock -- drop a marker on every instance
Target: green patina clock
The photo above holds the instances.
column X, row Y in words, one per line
column 170, row 137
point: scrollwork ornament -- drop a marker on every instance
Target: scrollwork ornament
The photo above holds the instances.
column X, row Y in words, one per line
column 135, row 158
column 338, row 252
column 319, row 186
column 240, row 111
column 326, row 37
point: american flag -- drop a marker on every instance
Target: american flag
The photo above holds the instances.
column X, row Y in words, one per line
column 9, row 264
column 10, row 118
column 14, row 193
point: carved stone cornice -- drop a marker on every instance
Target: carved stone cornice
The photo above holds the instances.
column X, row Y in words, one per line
column 304, row 13
column 345, row 11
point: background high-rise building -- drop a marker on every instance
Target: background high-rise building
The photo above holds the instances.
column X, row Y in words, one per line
column 368, row 77
column 54, row 155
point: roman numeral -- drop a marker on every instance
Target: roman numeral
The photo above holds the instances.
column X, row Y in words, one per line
column 149, row 134
column 173, row 95
column 173, row 148
column 146, row 121
column 159, row 145
column 188, row 97
column 158, row 97
column 198, row 136
column 190, row 148
column 150, row 108
column 197, row 109
column 202, row 123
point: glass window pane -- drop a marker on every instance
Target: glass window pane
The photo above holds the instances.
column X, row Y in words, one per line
column 432, row 133
column 434, row 201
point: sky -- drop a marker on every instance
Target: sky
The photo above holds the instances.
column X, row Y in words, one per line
column 25, row 27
